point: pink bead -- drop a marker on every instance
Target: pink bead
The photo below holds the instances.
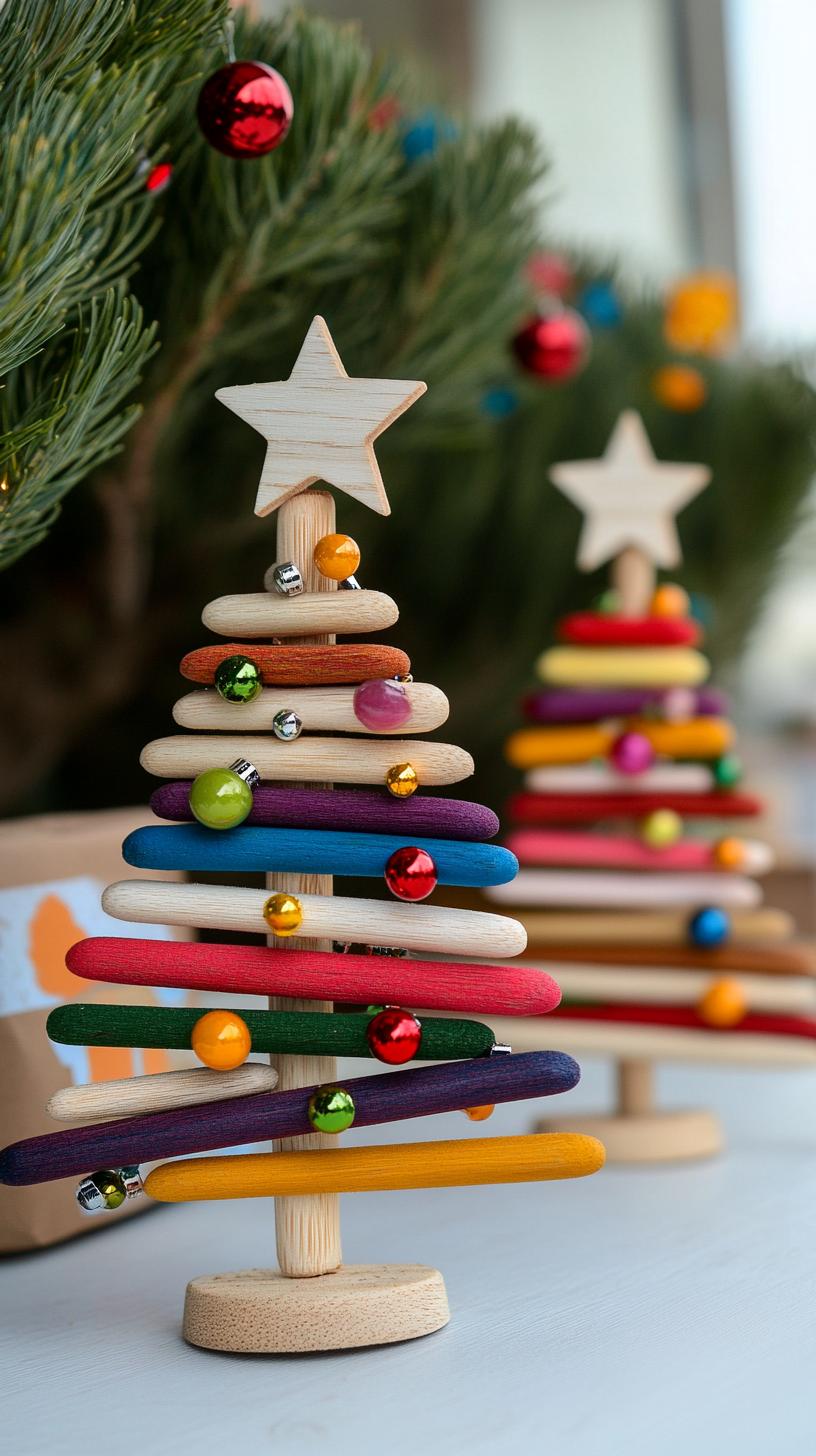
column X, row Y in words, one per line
column 632, row 753
column 381, row 704
column 679, row 704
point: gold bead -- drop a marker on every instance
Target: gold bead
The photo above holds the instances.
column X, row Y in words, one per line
column 283, row 913
column 402, row 780
column 480, row 1114
column 337, row 557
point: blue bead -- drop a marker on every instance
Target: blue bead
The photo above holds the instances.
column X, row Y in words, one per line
column 425, row 134
column 709, row 927
column 600, row 305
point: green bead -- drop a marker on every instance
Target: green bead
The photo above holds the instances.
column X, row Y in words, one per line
column 331, row 1109
column 238, row 679
column 727, row 771
column 608, row 603
column 111, row 1188
column 220, row 799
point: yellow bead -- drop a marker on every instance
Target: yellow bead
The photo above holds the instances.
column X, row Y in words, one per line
column 661, row 828
column 221, row 1040
column 701, row 313
column 337, row 557
column 402, row 780
column 723, row 1004
column 283, row 913
column 670, row 601
column 480, row 1114
column 729, row 854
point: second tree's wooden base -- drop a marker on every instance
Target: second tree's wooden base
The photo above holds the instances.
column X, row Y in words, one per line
column 259, row 1311
column 647, row 1137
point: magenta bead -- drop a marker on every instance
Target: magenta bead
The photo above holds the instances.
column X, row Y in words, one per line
column 632, row 753
column 381, row 704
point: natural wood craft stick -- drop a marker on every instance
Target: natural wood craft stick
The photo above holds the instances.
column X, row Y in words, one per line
column 695, row 738
column 622, row 851
column 587, row 705
column 598, row 778
column 626, row 890
column 662, row 987
column 391, row 1097
column 516, row 989
column 311, row 851
column 666, row 1044
column 131, row 1096
column 344, row 760
column 792, row 960
column 302, row 664
column 591, row 808
column 372, row 922
column 639, row 927
column 266, row 614
column 456, row 1164
column 633, row 578
column 625, row 667
column 596, row 629
column 329, row 709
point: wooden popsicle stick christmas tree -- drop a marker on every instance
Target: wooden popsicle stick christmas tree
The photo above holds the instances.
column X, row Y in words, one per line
column 656, row 920
column 301, row 831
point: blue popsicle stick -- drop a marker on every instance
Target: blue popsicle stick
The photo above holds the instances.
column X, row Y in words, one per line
column 309, row 851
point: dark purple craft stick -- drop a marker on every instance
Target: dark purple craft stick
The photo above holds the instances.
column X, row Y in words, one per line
column 586, row 705
column 387, row 1097
column 347, row 809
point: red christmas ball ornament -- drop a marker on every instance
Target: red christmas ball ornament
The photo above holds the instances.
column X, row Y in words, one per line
column 245, row 109
column 553, row 345
column 394, row 1035
column 410, row 873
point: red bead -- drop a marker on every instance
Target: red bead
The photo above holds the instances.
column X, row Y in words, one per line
column 394, row 1035
column 245, row 109
column 553, row 345
column 158, row 178
column 411, row 873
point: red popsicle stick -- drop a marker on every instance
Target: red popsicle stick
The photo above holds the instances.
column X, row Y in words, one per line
column 593, row 629
column 590, row 808
column 293, row 666
column 753, row 1021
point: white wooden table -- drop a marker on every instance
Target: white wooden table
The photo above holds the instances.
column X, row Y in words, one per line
column 669, row 1312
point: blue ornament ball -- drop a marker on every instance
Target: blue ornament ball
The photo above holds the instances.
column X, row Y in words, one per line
column 422, row 136
column 709, row 927
column 600, row 305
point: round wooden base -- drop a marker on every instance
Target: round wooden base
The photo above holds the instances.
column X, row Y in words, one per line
column 259, row 1311
column 648, row 1137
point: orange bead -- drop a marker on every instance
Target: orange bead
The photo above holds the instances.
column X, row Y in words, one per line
column 670, row 600
column 337, row 557
column 701, row 313
column 723, row 1004
column 679, row 387
column 481, row 1114
column 221, row 1040
column 729, row 854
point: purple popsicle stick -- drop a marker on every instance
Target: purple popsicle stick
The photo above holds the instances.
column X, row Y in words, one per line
column 587, row 705
column 346, row 809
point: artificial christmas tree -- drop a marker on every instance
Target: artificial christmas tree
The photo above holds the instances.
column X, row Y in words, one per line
column 632, row 875
column 318, row 424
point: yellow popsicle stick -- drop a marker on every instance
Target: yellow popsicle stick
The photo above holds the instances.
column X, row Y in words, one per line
column 630, row 667
column 578, row 743
column 538, row 1157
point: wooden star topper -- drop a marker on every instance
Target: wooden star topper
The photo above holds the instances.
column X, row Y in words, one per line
column 321, row 425
column 629, row 498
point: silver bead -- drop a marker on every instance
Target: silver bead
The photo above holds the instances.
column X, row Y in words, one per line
column 284, row 578
column 246, row 771
column 108, row 1189
column 132, row 1179
column 351, row 584
column 500, row 1048
column 286, row 725
column 403, row 677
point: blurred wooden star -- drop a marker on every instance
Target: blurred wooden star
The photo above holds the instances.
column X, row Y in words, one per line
column 321, row 425
column 629, row 498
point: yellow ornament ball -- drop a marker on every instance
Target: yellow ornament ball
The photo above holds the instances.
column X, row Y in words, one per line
column 283, row 913
column 337, row 557
column 670, row 600
column 723, row 1004
column 679, row 387
column 402, row 780
column 701, row 313
column 221, row 1040
column 661, row 828
column 729, row 853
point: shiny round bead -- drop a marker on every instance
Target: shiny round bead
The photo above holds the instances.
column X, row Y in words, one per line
column 220, row 798
column 632, row 753
column 729, row 853
column 709, row 927
column 221, row 1040
column 679, row 704
column 607, row 602
column 670, row 600
column 394, row 1035
column 331, row 1109
column 102, row 1192
column 286, row 725
column 723, row 1004
column 238, row 679
column 402, row 780
column 337, row 557
column 381, row 704
column 661, row 828
column 727, row 771
column 283, row 913
column 480, row 1114
column 284, row 578
column 410, row 873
